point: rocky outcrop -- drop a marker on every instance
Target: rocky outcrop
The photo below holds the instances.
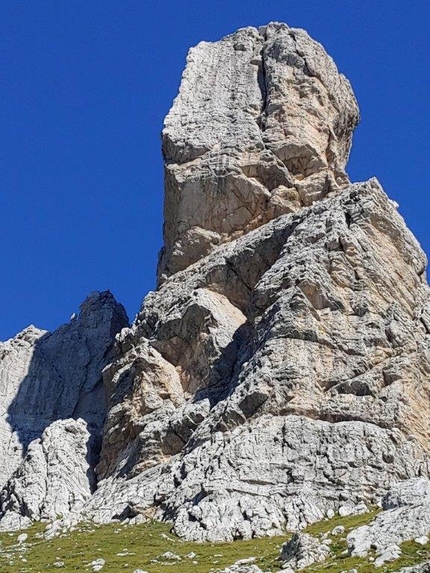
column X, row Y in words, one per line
column 282, row 386
column 46, row 377
column 406, row 517
column 421, row 568
column 280, row 372
column 262, row 125
column 55, row 477
column 303, row 550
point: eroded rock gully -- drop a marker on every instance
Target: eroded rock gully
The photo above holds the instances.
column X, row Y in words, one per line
column 281, row 368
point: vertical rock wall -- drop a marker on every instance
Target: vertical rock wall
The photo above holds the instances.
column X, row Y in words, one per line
column 261, row 126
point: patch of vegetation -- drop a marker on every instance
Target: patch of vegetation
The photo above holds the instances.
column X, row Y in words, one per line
column 350, row 522
column 412, row 553
column 126, row 548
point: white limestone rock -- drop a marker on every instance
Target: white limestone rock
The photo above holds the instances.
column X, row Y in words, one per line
column 406, row 517
column 22, row 538
column 352, row 509
column 420, row 568
column 303, row 550
column 390, row 553
column 407, row 493
column 55, row 477
column 237, row 568
column 97, row 564
column 15, row 359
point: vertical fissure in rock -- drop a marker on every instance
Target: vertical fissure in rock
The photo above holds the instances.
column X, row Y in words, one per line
column 262, row 83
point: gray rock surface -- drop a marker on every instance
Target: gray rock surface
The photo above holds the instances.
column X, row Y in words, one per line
column 301, row 375
column 389, row 553
column 237, row 568
column 407, row 493
column 406, row 517
column 55, row 477
column 303, row 550
column 420, row 568
column 54, row 376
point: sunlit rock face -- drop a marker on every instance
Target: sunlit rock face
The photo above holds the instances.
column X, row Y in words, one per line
column 280, row 371
column 55, row 477
column 262, row 125
column 277, row 379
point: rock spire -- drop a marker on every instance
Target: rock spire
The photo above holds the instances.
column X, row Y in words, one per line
column 262, row 126
column 280, row 371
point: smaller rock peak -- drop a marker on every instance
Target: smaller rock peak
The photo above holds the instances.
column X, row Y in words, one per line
column 96, row 300
column 262, row 30
column 101, row 307
column 29, row 335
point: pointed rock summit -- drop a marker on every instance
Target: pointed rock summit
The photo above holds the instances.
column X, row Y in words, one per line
column 46, row 378
column 280, row 372
column 262, row 126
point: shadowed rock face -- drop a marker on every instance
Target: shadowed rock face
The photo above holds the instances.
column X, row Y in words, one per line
column 46, row 377
column 261, row 126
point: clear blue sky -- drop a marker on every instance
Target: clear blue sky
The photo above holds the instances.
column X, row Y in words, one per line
column 84, row 89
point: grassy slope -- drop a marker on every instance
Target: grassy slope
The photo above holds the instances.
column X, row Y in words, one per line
column 141, row 544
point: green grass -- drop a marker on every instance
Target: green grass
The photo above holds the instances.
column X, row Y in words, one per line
column 143, row 543
column 412, row 553
column 140, row 545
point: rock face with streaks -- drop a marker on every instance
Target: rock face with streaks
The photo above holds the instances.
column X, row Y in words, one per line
column 280, row 371
column 262, row 125
column 55, row 477
column 46, row 377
